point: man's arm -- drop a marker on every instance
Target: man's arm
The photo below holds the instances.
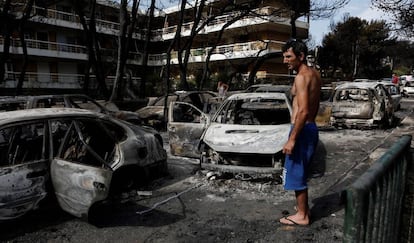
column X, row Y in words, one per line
column 302, row 113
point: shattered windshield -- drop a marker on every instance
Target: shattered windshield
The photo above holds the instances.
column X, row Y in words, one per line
column 353, row 94
column 254, row 111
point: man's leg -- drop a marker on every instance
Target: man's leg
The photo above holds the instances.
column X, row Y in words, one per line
column 302, row 216
column 302, row 203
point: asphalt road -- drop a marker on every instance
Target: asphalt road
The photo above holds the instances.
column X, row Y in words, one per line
column 189, row 206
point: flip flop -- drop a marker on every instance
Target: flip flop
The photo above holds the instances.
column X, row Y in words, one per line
column 293, row 223
column 296, row 209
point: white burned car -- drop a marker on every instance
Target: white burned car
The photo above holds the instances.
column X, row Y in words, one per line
column 362, row 105
column 82, row 157
column 245, row 135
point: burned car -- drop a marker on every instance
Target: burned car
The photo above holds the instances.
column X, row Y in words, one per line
column 81, row 156
column 323, row 117
column 362, row 105
column 245, row 135
column 67, row 100
column 153, row 113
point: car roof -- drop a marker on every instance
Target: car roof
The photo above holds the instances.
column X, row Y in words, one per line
column 274, row 88
column 358, row 85
column 39, row 113
column 192, row 91
column 239, row 96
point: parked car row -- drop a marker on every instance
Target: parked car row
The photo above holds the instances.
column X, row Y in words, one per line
column 81, row 101
column 84, row 157
column 247, row 132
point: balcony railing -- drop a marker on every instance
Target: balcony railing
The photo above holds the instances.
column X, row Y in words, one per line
column 44, row 80
column 72, row 17
column 54, row 80
column 238, row 50
column 46, row 45
column 262, row 15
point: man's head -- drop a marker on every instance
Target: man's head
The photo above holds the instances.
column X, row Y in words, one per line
column 294, row 53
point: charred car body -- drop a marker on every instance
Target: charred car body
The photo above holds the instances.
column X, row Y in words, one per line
column 245, row 135
column 67, row 100
column 362, row 105
column 153, row 114
column 81, row 156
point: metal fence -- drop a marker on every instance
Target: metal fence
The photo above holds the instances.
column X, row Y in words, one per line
column 375, row 201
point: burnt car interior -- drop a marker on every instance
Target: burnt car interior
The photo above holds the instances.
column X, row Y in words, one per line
column 353, row 95
column 183, row 113
column 90, row 143
column 50, row 102
column 20, row 144
column 255, row 112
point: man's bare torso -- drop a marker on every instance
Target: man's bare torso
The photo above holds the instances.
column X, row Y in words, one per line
column 309, row 80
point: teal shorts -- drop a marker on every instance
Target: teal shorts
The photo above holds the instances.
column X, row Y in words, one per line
column 295, row 172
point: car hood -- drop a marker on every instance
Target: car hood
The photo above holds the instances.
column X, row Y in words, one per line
column 258, row 139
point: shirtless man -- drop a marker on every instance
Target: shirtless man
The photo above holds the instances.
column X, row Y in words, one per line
column 303, row 136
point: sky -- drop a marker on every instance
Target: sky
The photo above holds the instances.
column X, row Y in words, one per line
column 355, row 8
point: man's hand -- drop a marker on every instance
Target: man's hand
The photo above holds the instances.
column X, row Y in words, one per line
column 288, row 148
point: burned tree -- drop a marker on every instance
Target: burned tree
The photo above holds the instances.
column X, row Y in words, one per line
column 127, row 20
column 14, row 18
column 94, row 55
column 7, row 23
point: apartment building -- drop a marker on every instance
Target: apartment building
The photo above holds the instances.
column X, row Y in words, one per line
column 58, row 53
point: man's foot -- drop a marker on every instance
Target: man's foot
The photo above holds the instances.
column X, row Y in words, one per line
column 295, row 220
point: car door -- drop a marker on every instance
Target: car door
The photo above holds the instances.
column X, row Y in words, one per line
column 24, row 168
column 395, row 95
column 186, row 124
column 80, row 172
column 385, row 96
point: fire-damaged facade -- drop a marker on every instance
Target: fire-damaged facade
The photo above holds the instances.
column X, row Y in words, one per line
column 81, row 156
column 245, row 135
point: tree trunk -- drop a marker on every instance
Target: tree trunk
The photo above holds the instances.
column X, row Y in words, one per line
column 26, row 15
column 6, row 26
column 144, row 73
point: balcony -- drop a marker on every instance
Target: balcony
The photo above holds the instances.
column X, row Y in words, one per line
column 71, row 20
column 44, row 80
column 47, row 49
column 261, row 16
column 77, row 52
column 54, row 80
column 234, row 51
